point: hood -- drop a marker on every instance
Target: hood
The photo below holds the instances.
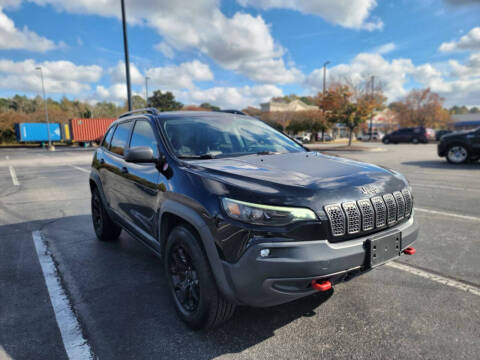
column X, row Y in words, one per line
column 298, row 179
column 456, row 134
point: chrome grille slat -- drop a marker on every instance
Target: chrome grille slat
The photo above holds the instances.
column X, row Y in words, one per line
column 391, row 208
column 368, row 215
column 337, row 219
column 380, row 211
column 363, row 215
column 408, row 202
column 400, row 205
column 353, row 217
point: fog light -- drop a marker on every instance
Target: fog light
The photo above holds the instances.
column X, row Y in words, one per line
column 264, row 252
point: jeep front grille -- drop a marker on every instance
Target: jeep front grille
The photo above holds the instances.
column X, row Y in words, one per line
column 400, row 205
column 353, row 217
column 408, row 202
column 337, row 219
column 391, row 209
column 367, row 214
column 380, row 211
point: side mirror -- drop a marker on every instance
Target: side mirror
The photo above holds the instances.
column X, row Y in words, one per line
column 140, row 155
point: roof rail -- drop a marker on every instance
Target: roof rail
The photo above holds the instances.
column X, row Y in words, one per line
column 150, row 110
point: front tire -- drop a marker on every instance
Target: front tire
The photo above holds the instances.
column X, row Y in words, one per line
column 457, row 154
column 198, row 301
column 386, row 141
column 105, row 228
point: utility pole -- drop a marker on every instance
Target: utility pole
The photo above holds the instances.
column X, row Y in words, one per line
column 50, row 147
column 373, row 99
column 127, row 61
column 146, row 90
column 323, row 96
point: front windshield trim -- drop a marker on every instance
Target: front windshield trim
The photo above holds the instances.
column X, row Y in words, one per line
column 291, row 145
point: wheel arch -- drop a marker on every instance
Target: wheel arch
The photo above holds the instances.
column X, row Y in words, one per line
column 173, row 213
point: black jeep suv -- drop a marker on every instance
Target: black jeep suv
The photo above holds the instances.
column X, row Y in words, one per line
column 241, row 213
column 459, row 147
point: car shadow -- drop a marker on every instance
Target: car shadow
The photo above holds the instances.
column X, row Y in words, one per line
column 442, row 164
column 120, row 295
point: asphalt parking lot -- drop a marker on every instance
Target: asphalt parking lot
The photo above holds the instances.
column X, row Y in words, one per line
column 422, row 306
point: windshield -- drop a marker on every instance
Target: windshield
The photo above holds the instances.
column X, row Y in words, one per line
column 192, row 137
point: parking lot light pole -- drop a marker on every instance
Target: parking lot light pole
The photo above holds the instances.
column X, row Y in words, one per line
column 371, row 117
column 127, row 60
column 50, row 147
column 323, row 96
column 146, row 90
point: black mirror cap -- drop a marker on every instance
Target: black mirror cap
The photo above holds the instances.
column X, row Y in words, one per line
column 140, row 155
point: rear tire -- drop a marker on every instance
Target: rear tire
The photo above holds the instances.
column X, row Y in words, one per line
column 415, row 141
column 105, row 228
column 198, row 301
column 457, row 154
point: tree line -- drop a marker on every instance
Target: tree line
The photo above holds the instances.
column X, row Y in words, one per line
column 344, row 102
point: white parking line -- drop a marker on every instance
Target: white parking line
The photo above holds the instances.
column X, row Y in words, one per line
column 14, row 176
column 449, row 214
column 81, row 169
column 75, row 344
column 437, row 278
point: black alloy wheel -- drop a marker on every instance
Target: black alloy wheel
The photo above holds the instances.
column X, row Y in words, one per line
column 184, row 278
column 105, row 228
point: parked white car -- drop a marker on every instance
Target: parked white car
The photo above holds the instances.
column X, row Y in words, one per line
column 377, row 135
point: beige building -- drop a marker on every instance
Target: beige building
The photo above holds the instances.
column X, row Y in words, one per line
column 295, row 105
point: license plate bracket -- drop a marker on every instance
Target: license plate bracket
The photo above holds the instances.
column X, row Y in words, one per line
column 384, row 248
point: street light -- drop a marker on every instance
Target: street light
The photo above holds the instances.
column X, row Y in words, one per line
column 50, row 147
column 324, row 89
column 146, row 90
column 373, row 99
column 127, row 61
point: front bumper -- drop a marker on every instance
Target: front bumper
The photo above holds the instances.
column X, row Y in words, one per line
column 286, row 274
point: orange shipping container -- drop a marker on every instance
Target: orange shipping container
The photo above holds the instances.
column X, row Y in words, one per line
column 89, row 129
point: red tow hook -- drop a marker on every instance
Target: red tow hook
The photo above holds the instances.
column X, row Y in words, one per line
column 409, row 250
column 322, row 285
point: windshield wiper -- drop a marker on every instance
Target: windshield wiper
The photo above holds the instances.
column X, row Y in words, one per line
column 197, row 157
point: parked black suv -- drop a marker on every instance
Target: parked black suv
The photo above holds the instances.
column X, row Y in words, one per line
column 412, row 135
column 460, row 147
column 241, row 213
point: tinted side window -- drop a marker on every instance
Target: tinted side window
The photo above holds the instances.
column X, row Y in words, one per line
column 120, row 138
column 108, row 138
column 143, row 136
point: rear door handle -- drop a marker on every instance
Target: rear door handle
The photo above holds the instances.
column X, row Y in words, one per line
column 124, row 170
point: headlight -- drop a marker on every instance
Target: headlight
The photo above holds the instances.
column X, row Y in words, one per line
column 265, row 214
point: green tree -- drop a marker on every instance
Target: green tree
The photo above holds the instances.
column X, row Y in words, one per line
column 210, row 107
column 138, row 102
column 164, row 101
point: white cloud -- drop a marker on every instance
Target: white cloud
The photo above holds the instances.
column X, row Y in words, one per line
column 393, row 74
column 347, row 13
column 242, row 43
column 386, row 48
column 61, row 77
column 117, row 74
column 179, row 77
column 470, row 41
column 13, row 38
column 231, row 97
column 165, row 49
column 470, row 69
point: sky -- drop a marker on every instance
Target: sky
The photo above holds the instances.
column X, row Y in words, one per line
column 239, row 53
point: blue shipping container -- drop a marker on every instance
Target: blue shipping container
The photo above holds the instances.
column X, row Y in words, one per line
column 37, row 132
